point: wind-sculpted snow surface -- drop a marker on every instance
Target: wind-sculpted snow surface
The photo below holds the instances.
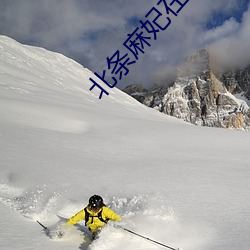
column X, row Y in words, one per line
column 179, row 184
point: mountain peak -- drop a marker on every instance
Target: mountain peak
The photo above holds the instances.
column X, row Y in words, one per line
column 197, row 64
column 200, row 96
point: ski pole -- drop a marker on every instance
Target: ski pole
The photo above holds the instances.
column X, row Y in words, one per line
column 45, row 228
column 146, row 238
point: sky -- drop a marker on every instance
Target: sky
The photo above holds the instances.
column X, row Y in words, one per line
column 90, row 31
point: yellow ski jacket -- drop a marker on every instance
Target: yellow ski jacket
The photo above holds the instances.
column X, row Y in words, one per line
column 94, row 223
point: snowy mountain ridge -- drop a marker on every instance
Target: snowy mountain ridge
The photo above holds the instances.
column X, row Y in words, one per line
column 202, row 97
column 179, row 184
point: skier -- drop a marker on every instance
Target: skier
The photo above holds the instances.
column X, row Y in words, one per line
column 95, row 214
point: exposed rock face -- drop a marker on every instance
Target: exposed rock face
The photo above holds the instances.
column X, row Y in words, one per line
column 137, row 91
column 237, row 81
column 199, row 97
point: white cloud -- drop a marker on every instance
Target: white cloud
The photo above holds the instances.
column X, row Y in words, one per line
column 92, row 30
column 233, row 50
column 226, row 29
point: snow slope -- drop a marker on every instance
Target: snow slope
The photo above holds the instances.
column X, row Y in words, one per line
column 179, row 184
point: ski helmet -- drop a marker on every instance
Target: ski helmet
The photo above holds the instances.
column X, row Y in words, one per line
column 95, row 202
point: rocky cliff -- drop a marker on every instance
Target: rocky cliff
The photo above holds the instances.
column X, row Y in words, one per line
column 200, row 96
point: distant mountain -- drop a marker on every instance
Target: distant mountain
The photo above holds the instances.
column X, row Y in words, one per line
column 201, row 95
column 237, row 81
